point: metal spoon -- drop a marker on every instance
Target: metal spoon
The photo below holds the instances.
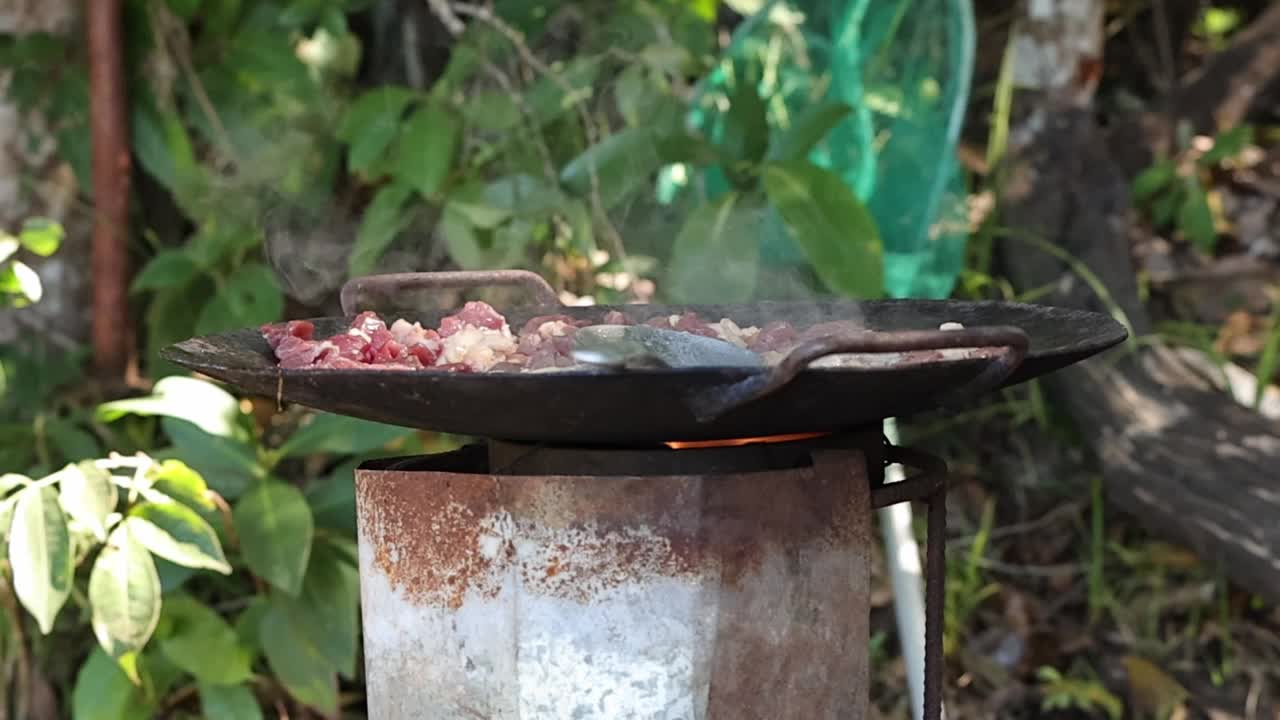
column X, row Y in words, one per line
column 640, row 346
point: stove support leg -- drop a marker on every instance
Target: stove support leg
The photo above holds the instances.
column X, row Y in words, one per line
column 935, row 597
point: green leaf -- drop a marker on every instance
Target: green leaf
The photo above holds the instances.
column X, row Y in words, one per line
column 172, row 575
column 185, row 9
column 623, row 162
column 523, row 194
column 124, row 591
column 296, row 661
column 1153, row 180
column 716, row 256
column 372, row 123
column 41, row 236
column 1164, row 209
column 202, row 643
column 427, row 147
column 333, row 499
column 667, row 58
column 162, row 146
column 250, row 298
column 462, row 241
column 1227, row 144
column 88, row 495
column 835, row 230
column 178, row 481
column 469, row 202
column 6, row 521
column 632, row 94
column 746, row 128
column 104, row 692
column 383, row 220
column 40, row 554
column 494, row 111
column 249, row 623
column 328, row 610
column 228, row 466
column 1195, row 219
column 581, row 230
column 8, row 246
column 168, row 269
column 20, row 279
column 275, row 528
column 341, row 435
column 199, row 402
column 176, row 533
column 807, row 130
column 686, row 148
column 228, row 702
column 547, row 99
column 72, row 442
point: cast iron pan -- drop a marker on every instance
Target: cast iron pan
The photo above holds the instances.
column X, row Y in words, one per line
column 1012, row 342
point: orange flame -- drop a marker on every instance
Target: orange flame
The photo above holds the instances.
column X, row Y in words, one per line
column 739, row 442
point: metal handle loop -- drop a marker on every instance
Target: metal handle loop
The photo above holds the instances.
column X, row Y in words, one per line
column 1010, row 342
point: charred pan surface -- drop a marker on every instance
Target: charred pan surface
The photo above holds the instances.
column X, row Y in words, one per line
column 722, row 596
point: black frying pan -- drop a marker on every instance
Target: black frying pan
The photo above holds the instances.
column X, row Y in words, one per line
column 1014, row 343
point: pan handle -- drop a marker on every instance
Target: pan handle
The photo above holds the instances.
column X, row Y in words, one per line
column 534, row 283
column 1011, row 342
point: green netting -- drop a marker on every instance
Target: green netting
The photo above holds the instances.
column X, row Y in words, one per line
column 904, row 66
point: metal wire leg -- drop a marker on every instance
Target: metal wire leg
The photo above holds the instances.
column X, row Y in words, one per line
column 934, row 597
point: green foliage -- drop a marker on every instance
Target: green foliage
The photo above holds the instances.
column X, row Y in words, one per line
column 1086, row 695
column 1174, row 193
column 19, row 284
column 163, row 550
column 967, row 588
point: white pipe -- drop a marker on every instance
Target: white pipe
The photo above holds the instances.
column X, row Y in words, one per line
column 902, row 555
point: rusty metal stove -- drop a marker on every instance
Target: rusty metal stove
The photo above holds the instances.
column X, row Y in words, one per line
column 506, row 581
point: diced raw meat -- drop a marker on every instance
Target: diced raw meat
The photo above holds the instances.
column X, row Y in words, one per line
column 382, row 348
column 474, row 313
column 773, row 337
column 349, row 346
column 294, row 352
column 662, row 321
column 535, row 324
column 691, row 323
column 426, row 354
column 478, row 339
column 368, row 323
column 407, row 334
column 275, row 332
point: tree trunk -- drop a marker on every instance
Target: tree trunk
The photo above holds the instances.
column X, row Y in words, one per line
column 112, row 337
column 1186, row 460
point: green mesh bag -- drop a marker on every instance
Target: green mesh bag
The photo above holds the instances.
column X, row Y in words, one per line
column 904, row 66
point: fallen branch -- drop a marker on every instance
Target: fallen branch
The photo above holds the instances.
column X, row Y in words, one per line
column 1184, row 458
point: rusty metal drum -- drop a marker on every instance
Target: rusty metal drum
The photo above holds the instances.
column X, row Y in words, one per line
column 721, row 595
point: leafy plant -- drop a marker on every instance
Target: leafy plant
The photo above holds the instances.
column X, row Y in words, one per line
column 1084, row 694
column 1174, row 190
column 966, row 588
column 19, row 284
column 125, row 513
column 197, row 575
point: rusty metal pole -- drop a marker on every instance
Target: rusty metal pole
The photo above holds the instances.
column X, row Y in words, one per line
column 111, row 175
